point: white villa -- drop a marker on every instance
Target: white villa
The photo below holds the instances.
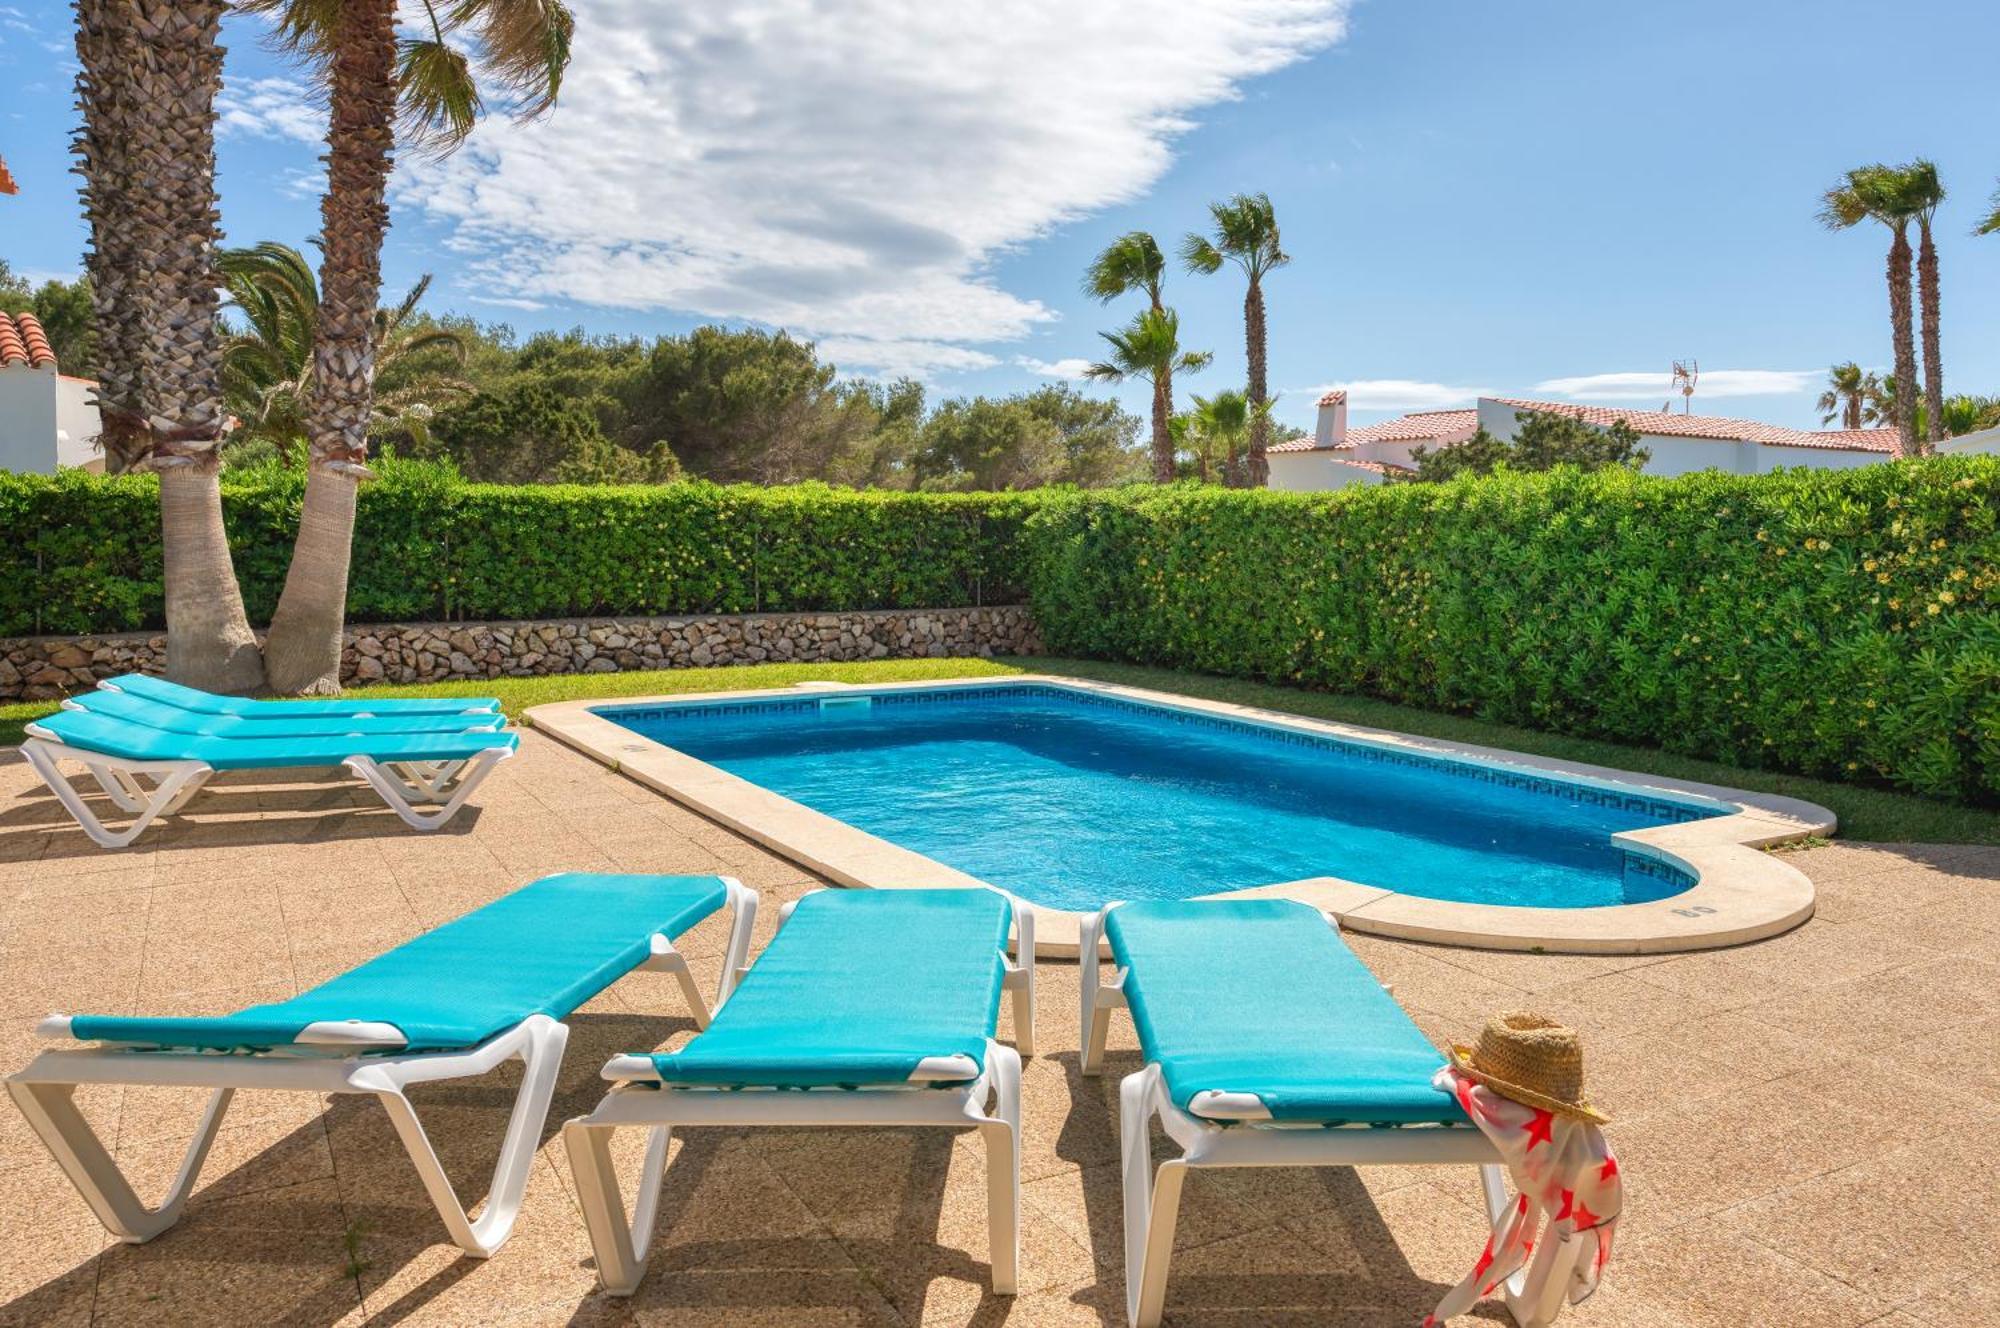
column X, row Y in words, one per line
column 1337, row 456
column 47, row 418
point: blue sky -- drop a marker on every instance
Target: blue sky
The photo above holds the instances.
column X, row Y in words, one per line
column 1477, row 197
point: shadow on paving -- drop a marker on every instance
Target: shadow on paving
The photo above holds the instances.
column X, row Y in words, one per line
column 249, row 1250
column 235, row 809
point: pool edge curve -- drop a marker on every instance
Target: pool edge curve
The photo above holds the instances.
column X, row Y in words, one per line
column 1741, row 893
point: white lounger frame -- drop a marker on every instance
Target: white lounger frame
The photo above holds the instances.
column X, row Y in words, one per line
column 152, row 789
column 621, row 1240
column 1236, row 1130
column 332, row 1057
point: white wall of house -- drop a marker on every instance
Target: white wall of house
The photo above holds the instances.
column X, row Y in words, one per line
column 46, row 420
column 28, row 419
column 77, row 424
column 1315, row 472
column 1985, row 442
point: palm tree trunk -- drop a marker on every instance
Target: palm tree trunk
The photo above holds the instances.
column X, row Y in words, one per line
column 1256, row 470
column 303, row 654
column 151, row 71
column 1851, row 413
column 107, row 60
column 1905, row 339
column 1927, row 291
column 1163, row 414
column 209, row 641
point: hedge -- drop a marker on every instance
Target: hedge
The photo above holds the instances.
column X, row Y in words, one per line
column 81, row 553
column 1840, row 623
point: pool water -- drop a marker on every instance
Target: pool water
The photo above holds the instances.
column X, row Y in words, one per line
column 1071, row 799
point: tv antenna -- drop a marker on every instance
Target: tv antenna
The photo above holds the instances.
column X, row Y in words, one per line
column 1686, row 373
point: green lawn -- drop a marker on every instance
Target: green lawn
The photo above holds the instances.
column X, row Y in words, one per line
column 1865, row 813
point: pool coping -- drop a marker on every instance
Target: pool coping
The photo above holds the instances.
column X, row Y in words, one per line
column 1741, row 893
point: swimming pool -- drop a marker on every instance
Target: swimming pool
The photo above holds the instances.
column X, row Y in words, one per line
column 1072, row 797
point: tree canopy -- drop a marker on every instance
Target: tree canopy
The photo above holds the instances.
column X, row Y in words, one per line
column 1543, row 440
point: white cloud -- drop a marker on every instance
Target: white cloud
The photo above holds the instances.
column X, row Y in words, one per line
column 900, row 357
column 1660, row 386
column 1395, row 394
column 850, row 172
column 1065, row 368
column 270, row 108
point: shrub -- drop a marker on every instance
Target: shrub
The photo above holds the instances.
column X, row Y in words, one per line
column 83, row 552
column 1833, row 622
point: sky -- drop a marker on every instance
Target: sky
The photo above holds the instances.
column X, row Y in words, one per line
column 1555, row 198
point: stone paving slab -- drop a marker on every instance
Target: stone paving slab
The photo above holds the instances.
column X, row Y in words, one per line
column 1808, row 1123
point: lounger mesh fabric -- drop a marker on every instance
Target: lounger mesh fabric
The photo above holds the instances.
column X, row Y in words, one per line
column 545, row 948
column 127, row 708
column 855, row 989
column 1260, row 996
column 113, row 737
column 208, row 703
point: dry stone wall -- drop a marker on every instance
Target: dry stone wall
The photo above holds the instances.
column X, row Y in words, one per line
column 42, row 668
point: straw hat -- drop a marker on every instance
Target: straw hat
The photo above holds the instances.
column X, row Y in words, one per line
column 1532, row 1060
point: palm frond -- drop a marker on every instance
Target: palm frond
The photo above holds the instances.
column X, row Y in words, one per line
column 1130, row 262
column 439, row 101
column 1199, row 256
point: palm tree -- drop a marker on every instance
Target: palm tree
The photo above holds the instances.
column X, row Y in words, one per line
column 268, row 361
column 1991, row 222
column 149, row 73
column 1882, row 193
column 1219, row 425
column 1246, row 233
column 1926, row 192
column 1149, row 347
column 426, row 88
column 1133, row 262
column 1846, row 393
column 1970, row 414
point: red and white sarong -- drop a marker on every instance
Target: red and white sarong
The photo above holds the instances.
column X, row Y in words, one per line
column 1568, row 1187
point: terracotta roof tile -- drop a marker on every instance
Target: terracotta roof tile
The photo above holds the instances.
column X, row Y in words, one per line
column 22, row 341
column 7, row 185
column 1428, row 426
column 1666, row 424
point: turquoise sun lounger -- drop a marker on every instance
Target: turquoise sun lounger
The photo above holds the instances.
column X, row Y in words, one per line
column 151, row 773
column 1267, row 1042
column 869, row 1007
column 132, row 709
column 455, row 1002
column 209, row 703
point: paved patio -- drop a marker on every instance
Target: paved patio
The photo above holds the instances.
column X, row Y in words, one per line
column 1807, row 1125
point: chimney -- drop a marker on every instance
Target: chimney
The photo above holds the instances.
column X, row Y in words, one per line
column 1331, row 430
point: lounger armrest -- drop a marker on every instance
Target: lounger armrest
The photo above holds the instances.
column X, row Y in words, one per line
column 624, row 1069
column 351, row 1034
column 945, row 1070
column 54, row 1027
column 1214, row 1104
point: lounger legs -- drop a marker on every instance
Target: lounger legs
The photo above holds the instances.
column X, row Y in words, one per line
column 402, row 794
column 620, row 1238
column 51, row 1110
column 541, row 1058
column 1002, row 1135
column 1152, row 1204
column 177, row 781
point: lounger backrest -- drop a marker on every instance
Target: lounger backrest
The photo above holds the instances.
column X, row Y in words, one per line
column 208, row 703
column 136, row 742
column 133, row 709
column 546, row 948
column 857, row 988
column 1260, row 996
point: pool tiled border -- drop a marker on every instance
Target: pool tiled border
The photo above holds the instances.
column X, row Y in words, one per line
column 1740, row 893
